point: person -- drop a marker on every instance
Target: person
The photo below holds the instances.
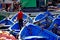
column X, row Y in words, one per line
column 16, row 6
column 20, row 19
column 9, row 9
column 28, row 20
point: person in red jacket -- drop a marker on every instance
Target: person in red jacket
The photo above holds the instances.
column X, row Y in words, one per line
column 20, row 19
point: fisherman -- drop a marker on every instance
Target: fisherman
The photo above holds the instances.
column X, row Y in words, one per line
column 20, row 19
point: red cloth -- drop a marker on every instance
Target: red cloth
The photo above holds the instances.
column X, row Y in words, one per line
column 20, row 15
